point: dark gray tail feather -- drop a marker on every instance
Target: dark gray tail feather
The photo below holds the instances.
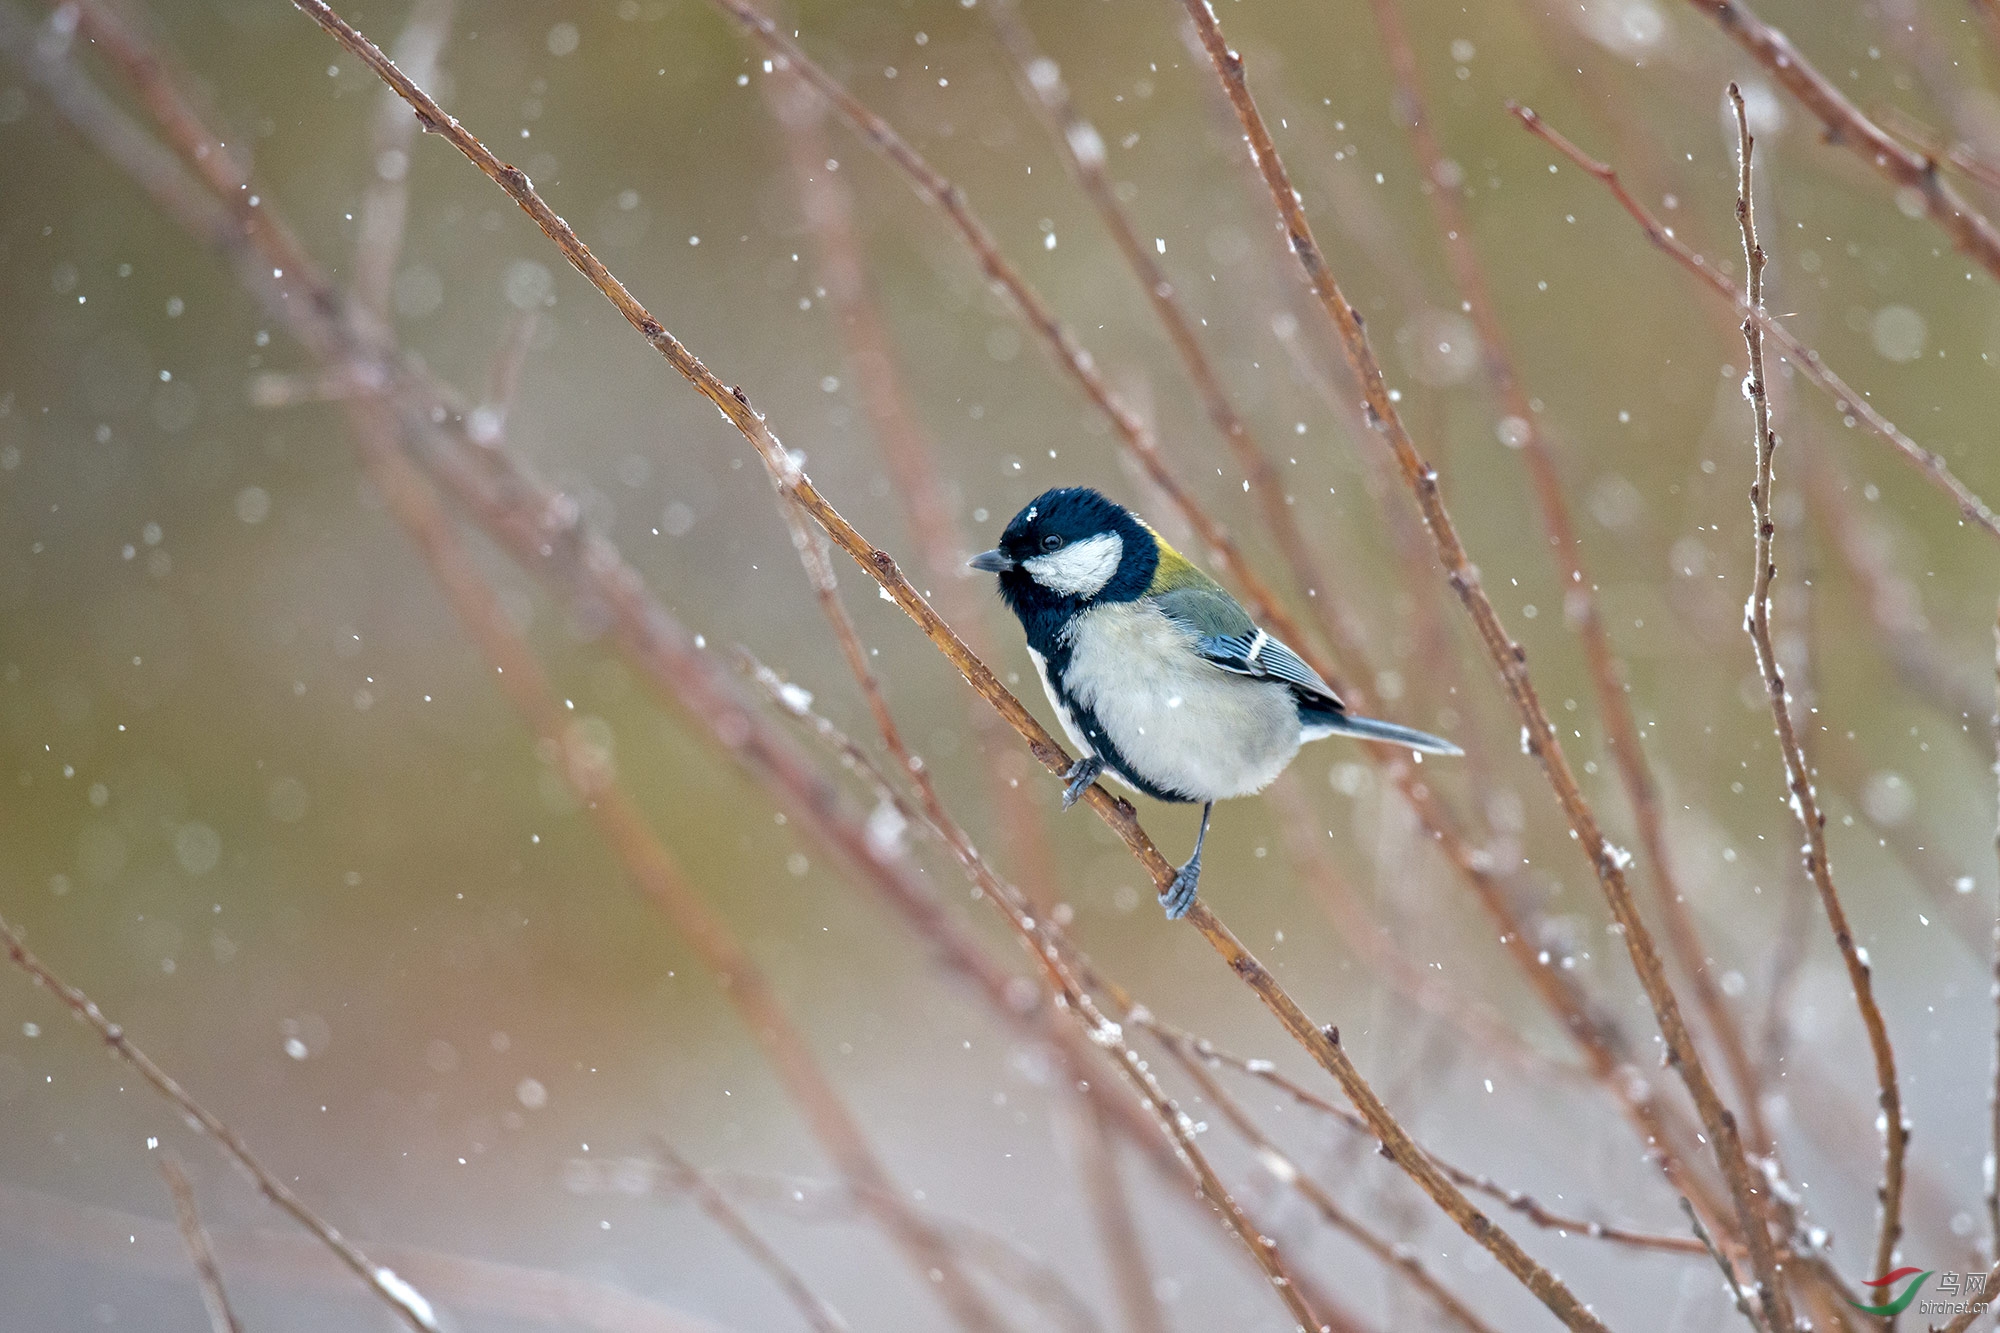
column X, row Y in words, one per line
column 1320, row 723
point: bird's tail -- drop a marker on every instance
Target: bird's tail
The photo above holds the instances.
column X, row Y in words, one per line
column 1327, row 723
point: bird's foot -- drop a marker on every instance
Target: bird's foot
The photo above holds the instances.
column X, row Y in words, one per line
column 1081, row 774
column 1179, row 895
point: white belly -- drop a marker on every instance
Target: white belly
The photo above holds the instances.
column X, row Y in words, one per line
column 1183, row 725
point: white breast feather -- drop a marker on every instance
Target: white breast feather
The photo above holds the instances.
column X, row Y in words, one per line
column 1183, row 724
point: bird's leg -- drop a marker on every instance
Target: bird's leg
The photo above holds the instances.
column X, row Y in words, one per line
column 1081, row 774
column 1180, row 894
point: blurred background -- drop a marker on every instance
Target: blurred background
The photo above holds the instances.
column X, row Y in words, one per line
column 266, row 806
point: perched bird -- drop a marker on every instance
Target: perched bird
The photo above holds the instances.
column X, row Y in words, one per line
column 1160, row 678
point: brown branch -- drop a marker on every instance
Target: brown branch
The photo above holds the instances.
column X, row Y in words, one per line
column 1082, row 149
column 1287, row 1172
column 1510, row 660
column 1737, row 1295
column 1070, row 355
column 1606, row 1048
column 1798, row 779
column 1580, row 606
column 1036, row 936
column 1002, row 1258
column 187, row 1217
column 1124, row 1248
column 1517, row 1200
column 812, row 1307
column 1846, row 126
column 1807, row 361
column 398, row 1294
column 540, row 528
column 1993, row 1173
column 827, row 206
column 1358, row 930
column 734, row 404
column 385, row 203
column 646, row 862
column 1927, row 667
column 506, row 1295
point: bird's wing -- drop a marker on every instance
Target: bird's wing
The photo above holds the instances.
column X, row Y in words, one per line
column 1227, row 638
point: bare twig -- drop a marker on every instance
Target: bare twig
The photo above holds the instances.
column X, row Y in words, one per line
column 1990, row 1285
column 1118, row 815
column 282, row 1259
column 1510, row 660
column 1288, row 1172
column 1004, row 1259
column 1846, row 126
column 812, row 1307
column 1070, row 354
column 1803, row 358
column 399, row 1295
column 1737, row 1295
column 1082, row 148
column 1593, row 1029
column 385, row 203
column 1517, row 1200
column 1798, row 780
column 646, row 862
column 1124, row 1248
column 1580, row 604
column 187, row 1217
column 1035, row 935
column 1993, row 1160
column 907, row 448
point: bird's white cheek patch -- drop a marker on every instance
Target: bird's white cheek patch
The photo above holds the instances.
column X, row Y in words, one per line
column 1081, row 570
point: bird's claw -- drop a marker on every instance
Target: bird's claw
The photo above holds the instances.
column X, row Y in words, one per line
column 1179, row 895
column 1079, row 777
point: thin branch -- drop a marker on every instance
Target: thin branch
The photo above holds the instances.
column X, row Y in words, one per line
column 399, row 1295
column 187, row 1217
column 1739, row 1297
column 1927, row 667
column 1847, row 127
column 1608, row 1051
column 1070, row 354
column 1580, row 605
column 1510, row 660
column 1082, row 149
column 480, row 1291
column 1037, row 937
column 1484, row 1029
column 385, row 203
column 1798, row 779
column 1004, row 1259
column 1322, row 1044
column 812, row 1307
column 1517, row 1200
column 1111, row 1207
column 1993, row 1160
column 541, row 529
column 827, row 206
column 1287, row 1172
column 646, row 862
column 1803, row 358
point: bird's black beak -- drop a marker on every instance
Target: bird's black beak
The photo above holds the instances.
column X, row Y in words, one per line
column 992, row 562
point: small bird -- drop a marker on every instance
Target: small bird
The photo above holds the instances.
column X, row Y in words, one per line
column 1160, row 678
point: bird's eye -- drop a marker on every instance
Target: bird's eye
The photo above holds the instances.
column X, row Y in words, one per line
column 1052, row 542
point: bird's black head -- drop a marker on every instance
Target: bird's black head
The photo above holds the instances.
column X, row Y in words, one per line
column 1070, row 548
